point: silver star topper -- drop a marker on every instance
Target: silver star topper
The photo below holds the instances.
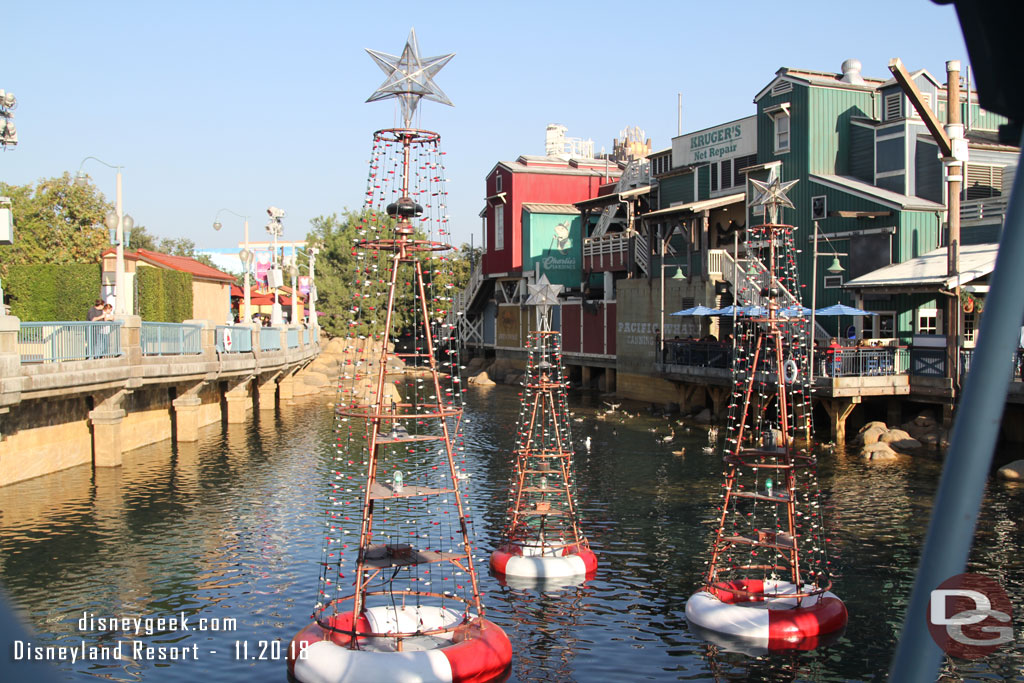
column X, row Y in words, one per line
column 772, row 195
column 409, row 77
column 543, row 295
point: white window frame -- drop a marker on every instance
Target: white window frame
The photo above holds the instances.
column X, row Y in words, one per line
column 927, row 313
column 778, row 113
column 499, row 227
column 971, row 322
column 877, row 324
column 497, row 183
column 832, row 282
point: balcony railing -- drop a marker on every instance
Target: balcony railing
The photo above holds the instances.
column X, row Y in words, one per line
column 234, row 339
column 701, row 354
column 53, row 342
column 171, row 339
column 293, row 337
column 863, row 362
column 992, row 209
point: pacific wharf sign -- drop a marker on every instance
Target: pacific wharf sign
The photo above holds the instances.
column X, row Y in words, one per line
column 738, row 138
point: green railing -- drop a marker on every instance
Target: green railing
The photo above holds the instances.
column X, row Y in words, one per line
column 234, row 339
column 270, row 339
column 171, row 339
column 53, row 342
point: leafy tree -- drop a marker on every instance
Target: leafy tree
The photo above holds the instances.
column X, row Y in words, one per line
column 352, row 282
column 55, row 221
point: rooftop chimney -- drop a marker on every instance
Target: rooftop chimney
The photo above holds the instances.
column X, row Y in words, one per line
column 851, row 72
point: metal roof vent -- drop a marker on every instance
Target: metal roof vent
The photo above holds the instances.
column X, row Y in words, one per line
column 851, row 72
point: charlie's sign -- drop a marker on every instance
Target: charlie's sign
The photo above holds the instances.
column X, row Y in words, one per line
column 738, row 138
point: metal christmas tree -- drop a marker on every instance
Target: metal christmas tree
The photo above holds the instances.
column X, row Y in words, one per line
column 542, row 537
column 407, row 607
column 768, row 578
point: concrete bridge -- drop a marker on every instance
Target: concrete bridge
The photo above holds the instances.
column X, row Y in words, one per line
column 77, row 393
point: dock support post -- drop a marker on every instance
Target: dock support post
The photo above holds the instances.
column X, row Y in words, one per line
column 238, row 401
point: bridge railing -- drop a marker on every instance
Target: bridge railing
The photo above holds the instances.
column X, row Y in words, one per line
column 171, row 339
column 53, row 342
column 293, row 338
column 270, row 339
column 240, row 337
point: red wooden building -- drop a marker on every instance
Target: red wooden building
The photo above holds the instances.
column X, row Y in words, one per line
column 533, row 179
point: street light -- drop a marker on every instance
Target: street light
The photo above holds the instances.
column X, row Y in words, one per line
column 835, row 269
column 246, row 257
column 118, row 222
column 8, row 133
column 311, row 251
column 677, row 276
column 275, row 228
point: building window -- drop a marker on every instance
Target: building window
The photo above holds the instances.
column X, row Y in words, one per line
column 971, row 327
column 927, row 97
column 497, row 182
column 738, row 164
column 819, row 208
column 726, row 173
column 781, row 130
column 927, row 321
column 499, row 228
column 833, row 281
column 886, row 324
column 984, row 181
column 713, row 169
column 893, row 106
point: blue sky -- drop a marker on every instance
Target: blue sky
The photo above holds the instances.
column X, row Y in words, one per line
column 247, row 105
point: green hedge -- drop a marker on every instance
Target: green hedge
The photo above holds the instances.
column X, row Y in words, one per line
column 48, row 292
column 165, row 296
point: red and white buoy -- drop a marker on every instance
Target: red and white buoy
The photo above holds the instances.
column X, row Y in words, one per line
column 768, row 582
column 542, row 538
column 398, row 599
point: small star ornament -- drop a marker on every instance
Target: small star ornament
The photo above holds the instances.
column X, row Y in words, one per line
column 772, row 195
column 410, row 77
column 543, row 295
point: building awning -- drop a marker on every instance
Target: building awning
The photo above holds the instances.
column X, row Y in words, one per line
column 928, row 272
column 536, row 207
column 859, row 188
column 612, row 198
column 697, row 207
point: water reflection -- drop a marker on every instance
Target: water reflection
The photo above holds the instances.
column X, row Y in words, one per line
column 231, row 528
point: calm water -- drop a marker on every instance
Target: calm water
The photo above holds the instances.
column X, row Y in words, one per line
column 229, row 529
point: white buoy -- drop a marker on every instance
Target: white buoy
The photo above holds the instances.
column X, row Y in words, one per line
column 586, row 442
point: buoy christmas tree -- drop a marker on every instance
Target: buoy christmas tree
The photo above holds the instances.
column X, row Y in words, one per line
column 398, row 598
column 542, row 537
column 768, row 578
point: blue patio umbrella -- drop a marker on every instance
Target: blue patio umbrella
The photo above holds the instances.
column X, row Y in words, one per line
column 841, row 310
column 739, row 310
column 700, row 309
column 794, row 312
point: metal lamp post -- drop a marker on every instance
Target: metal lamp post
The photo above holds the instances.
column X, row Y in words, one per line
column 275, row 228
column 678, row 275
column 246, row 257
column 313, row 251
column 835, row 269
column 293, row 271
column 118, row 222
